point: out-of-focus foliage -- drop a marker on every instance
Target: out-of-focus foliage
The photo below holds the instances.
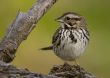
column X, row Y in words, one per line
column 97, row 13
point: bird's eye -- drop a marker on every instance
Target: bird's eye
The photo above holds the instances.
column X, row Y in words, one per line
column 67, row 18
column 77, row 19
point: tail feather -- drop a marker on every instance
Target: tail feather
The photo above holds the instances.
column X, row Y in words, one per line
column 47, row 48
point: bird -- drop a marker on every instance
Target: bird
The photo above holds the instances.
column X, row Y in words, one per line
column 71, row 38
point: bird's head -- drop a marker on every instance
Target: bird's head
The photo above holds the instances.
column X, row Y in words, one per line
column 71, row 20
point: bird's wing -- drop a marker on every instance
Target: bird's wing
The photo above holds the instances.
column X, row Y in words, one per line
column 56, row 36
column 55, row 40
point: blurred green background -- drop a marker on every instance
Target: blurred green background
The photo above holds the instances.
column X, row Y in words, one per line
column 97, row 56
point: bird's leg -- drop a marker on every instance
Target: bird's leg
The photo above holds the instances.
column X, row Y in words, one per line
column 76, row 63
column 77, row 66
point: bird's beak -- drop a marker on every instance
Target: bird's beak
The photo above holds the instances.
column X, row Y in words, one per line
column 59, row 20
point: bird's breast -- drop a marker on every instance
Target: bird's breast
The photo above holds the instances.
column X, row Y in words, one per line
column 72, row 45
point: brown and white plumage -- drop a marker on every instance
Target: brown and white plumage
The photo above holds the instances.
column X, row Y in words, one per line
column 71, row 38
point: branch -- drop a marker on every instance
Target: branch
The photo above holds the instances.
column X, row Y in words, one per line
column 70, row 71
column 59, row 71
column 10, row 71
column 21, row 27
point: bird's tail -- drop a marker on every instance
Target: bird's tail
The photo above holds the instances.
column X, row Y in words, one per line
column 47, row 48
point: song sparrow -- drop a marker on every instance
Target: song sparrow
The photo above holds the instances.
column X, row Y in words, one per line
column 71, row 38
